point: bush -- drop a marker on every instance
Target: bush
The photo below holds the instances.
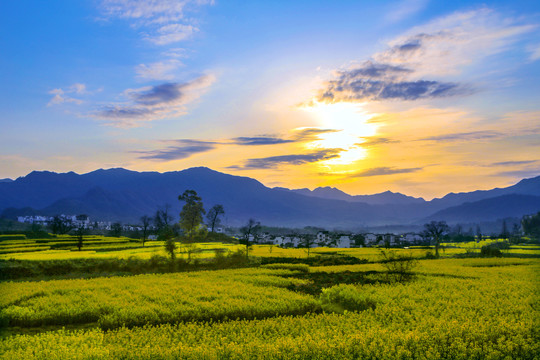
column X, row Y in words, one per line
column 292, row 267
column 398, row 266
column 345, row 297
column 490, row 251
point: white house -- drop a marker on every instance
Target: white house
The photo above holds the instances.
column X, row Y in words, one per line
column 370, row 238
column 344, row 242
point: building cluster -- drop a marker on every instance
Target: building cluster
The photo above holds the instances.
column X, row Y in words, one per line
column 74, row 221
column 327, row 239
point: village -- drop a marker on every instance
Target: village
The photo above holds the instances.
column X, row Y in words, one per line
column 322, row 238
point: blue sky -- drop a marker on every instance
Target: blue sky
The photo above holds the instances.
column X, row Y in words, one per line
column 423, row 97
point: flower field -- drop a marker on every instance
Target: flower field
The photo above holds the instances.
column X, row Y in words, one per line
column 472, row 308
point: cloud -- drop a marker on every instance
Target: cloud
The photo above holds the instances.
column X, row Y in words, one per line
column 535, row 52
column 438, row 49
column 374, row 141
column 61, row 96
column 464, row 136
column 163, row 21
column 161, row 70
column 186, row 149
column 405, row 9
column 513, row 163
column 379, row 171
column 273, row 162
column 260, row 140
column 520, row 174
column 154, row 102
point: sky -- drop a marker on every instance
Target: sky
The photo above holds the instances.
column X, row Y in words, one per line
column 414, row 96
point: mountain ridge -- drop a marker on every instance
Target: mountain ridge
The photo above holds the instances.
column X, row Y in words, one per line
column 121, row 194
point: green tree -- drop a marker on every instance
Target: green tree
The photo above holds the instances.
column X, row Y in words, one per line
column 170, row 244
column 250, row 230
column 213, row 216
column 162, row 219
column 436, row 230
column 478, row 233
column 192, row 212
column 145, row 221
column 116, row 229
column 504, row 232
column 531, row 225
column 60, row 225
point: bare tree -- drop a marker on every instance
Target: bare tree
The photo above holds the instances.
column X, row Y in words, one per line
column 308, row 240
column 145, row 220
column 80, row 231
column 213, row 216
column 436, row 229
column 251, row 229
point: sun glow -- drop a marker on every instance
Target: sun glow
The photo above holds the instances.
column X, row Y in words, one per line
column 349, row 124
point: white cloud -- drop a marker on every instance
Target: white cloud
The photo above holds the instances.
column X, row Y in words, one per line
column 161, row 70
column 535, row 52
column 414, row 65
column 61, row 96
column 446, row 45
column 405, row 9
column 164, row 21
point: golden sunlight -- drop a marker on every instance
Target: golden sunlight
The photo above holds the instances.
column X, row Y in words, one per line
column 351, row 124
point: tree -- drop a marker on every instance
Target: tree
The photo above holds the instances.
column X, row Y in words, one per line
column 436, row 229
column 145, row 220
column 504, row 231
column 478, row 233
column 213, row 216
column 80, row 231
column 192, row 212
column 170, row 243
column 531, row 225
column 308, row 240
column 116, row 230
column 251, row 229
column 60, row 225
column 162, row 219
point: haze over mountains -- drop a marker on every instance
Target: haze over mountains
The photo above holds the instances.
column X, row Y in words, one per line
column 124, row 195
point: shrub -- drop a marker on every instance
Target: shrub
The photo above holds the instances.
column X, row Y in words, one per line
column 345, row 297
column 398, row 266
column 490, row 251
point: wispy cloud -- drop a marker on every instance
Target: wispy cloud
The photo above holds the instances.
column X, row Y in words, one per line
column 513, row 163
column 440, row 48
column 520, row 174
column 162, row 21
column 464, row 136
column 161, row 70
column 185, row 149
column 404, row 9
column 374, row 141
column 260, row 140
column 154, row 102
column 273, row 162
column 379, row 171
column 61, row 96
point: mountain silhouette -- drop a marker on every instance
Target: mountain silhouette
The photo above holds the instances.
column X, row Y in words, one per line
column 124, row 195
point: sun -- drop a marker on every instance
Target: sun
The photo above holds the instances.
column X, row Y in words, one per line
column 350, row 124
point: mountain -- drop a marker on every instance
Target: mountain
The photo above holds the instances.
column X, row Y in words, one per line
column 500, row 207
column 387, row 197
column 124, row 195
column 5, row 180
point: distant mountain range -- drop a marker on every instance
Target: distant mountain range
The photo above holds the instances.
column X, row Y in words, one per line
column 124, row 195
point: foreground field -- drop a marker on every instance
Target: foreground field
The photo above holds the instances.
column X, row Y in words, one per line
column 454, row 309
